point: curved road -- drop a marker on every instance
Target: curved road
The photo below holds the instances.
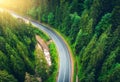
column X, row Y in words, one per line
column 65, row 69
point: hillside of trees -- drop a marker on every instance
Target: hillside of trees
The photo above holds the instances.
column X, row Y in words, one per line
column 93, row 30
column 19, row 57
column 17, row 44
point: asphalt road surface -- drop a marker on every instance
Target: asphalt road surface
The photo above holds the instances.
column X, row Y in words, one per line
column 65, row 69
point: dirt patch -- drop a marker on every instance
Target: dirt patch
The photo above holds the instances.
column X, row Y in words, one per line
column 42, row 43
column 45, row 49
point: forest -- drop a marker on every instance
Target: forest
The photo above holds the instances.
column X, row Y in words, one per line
column 92, row 28
column 19, row 60
column 17, row 44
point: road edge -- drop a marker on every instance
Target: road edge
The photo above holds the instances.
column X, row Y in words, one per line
column 66, row 43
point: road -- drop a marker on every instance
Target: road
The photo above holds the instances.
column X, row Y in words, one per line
column 65, row 69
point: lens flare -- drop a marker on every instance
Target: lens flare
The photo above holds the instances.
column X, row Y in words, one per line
column 1, row 1
column 4, row 3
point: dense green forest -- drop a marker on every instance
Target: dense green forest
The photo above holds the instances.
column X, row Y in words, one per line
column 19, row 57
column 93, row 30
column 17, row 44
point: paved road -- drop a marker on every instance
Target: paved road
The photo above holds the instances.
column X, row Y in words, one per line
column 65, row 69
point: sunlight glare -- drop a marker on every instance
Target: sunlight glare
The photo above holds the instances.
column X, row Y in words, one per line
column 4, row 2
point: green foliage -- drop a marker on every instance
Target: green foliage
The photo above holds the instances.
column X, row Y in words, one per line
column 54, row 59
column 109, row 67
column 41, row 34
column 88, row 3
column 75, row 19
column 32, row 12
column 4, row 60
column 54, row 55
column 77, row 6
column 17, row 46
column 41, row 67
column 44, row 18
column 51, row 18
column 5, row 77
column 15, row 51
column 103, row 24
column 31, row 78
column 115, row 14
column 112, row 74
